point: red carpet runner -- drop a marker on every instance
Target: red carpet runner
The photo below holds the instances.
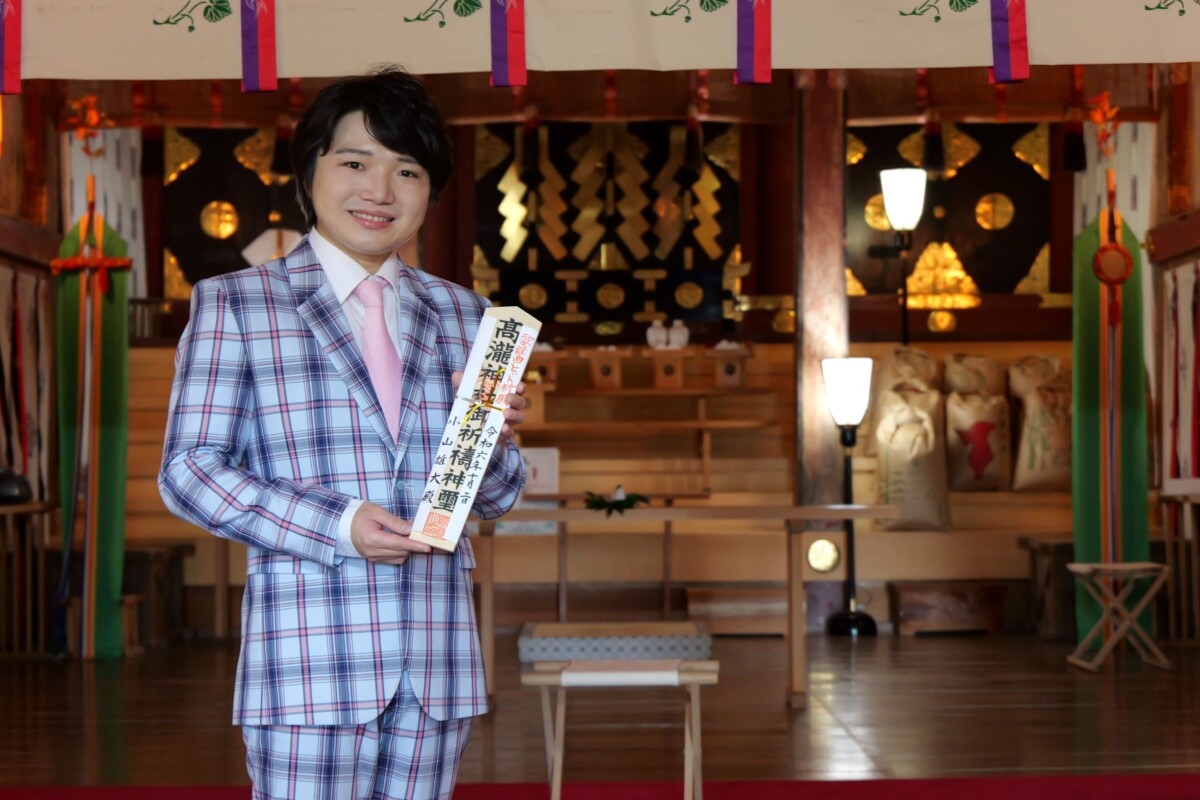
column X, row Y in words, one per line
column 1091, row 787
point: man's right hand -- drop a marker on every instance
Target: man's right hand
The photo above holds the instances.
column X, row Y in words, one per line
column 382, row 537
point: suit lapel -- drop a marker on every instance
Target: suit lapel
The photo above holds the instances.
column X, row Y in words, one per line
column 420, row 324
column 320, row 310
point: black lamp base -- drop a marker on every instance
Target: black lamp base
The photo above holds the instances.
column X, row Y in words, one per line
column 850, row 623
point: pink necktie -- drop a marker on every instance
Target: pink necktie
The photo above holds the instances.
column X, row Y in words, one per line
column 383, row 363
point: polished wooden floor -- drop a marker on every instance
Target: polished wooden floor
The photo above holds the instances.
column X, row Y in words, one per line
column 888, row 707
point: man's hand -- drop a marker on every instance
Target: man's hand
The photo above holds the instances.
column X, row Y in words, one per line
column 382, row 537
column 514, row 415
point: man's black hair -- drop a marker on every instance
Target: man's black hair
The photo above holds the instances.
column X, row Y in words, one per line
column 398, row 111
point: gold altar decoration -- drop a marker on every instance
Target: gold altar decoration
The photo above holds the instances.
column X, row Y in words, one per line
column 689, row 295
column 960, row 149
column 610, row 296
column 609, row 327
column 597, row 193
column 1037, row 281
column 667, row 208
column 255, row 153
column 994, row 211
column 485, row 277
column 1034, row 149
column 175, row 285
column 726, row 152
column 854, row 287
column 532, row 296
column 551, row 207
column 180, row 153
column 875, row 214
column 939, row 281
column 490, row 151
column 856, row 149
column 219, row 219
column 513, row 209
column 941, row 321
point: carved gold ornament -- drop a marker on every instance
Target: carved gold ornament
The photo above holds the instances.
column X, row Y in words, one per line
column 856, row 149
column 854, row 287
column 610, row 296
column 939, row 281
column 490, row 151
column 726, row 150
column 875, row 215
column 1037, row 281
column 533, row 296
column 689, row 295
column 219, row 219
column 255, row 153
column 960, row 149
column 994, row 211
column 179, row 152
column 1034, row 149
column 175, row 285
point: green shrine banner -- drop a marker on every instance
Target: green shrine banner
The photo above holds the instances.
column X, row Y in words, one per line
column 1109, row 458
column 93, row 372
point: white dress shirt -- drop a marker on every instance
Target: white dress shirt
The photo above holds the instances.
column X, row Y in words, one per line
column 344, row 275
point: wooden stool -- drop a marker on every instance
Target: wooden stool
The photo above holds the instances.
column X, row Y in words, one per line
column 1098, row 580
column 568, row 674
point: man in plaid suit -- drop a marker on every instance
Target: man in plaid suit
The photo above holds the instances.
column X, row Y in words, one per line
column 360, row 665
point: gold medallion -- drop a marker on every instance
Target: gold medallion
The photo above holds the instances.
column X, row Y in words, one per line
column 219, row 219
column 532, row 296
column 610, row 296
column 689, row 295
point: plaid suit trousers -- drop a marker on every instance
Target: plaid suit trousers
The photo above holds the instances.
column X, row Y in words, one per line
column 403, row 754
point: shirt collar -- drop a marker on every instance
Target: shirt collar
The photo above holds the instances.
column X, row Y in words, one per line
column 343, row 272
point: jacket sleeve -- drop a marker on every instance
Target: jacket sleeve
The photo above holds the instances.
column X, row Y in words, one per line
column 210, row 427
column 501, row 483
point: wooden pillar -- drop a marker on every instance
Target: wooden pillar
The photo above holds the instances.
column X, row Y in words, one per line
column 1179, row 140
column 822, row 322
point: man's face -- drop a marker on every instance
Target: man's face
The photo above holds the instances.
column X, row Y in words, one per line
column 368, row 199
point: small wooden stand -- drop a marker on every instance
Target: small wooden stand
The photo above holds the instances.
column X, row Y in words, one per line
column 728, row 365
column 543, row 366
column 605, row 366
column 1098, row 580
column 668, row 366
column 689, row 674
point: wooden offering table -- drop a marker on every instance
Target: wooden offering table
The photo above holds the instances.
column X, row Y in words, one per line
column 786, row 516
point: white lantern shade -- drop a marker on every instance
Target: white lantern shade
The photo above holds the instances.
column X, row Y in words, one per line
column 847, row 388
column 903, row 196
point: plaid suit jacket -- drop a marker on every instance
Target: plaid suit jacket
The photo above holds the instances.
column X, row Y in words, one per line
column 273, row 427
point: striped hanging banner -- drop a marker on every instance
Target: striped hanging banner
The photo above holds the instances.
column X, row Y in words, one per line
column 260, row 72
column 753, row 41
column 10, row 46
column 1010, row 42
column 508, row 43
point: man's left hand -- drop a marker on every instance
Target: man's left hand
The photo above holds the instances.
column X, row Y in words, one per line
column 514, row 415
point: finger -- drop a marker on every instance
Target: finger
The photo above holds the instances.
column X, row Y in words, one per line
column 516, row 401
column 456, row 379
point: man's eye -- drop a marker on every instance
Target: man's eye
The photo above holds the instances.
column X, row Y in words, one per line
column 408, row 173
column 353, row 165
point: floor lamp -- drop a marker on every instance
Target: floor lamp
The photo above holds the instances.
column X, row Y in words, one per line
column 848, row 391
column 903, row 202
